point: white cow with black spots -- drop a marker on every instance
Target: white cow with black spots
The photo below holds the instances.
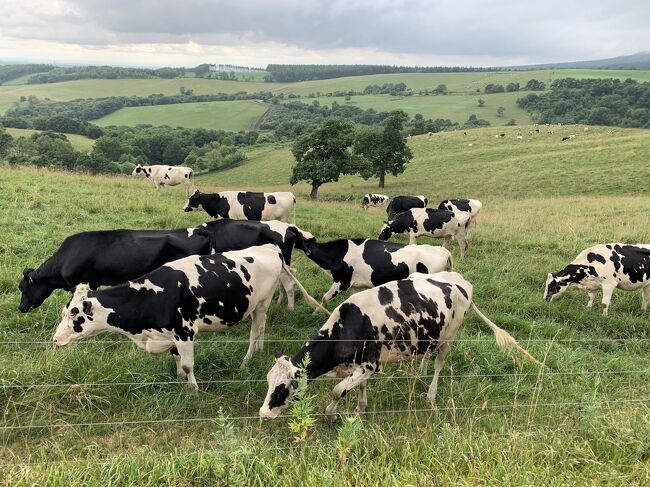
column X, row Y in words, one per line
column 606, row 267
column 161, row 175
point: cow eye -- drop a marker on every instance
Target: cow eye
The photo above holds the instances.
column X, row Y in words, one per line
column 74, row 312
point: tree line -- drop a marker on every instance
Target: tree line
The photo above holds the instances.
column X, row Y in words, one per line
column 593, row 102
column 287, row 73
column 13, row 71
column 56, row 75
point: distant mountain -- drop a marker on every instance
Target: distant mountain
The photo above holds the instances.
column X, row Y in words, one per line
column 639, row 60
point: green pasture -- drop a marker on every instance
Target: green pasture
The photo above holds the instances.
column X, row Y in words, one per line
column 584, row 419
column 79, row 142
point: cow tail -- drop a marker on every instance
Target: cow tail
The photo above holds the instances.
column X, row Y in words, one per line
column 450, row 263
column 312, row 302
column 294, row 210
column 504, row 340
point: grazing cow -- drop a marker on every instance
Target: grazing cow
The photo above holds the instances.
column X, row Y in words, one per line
column 400, row 204
column 429, row 134
column 471, row 207
column 360, row 263
column 606, row 267
column 571, row 137
column 565, row 138
column 586, row 129
column 164, row 310
column 243, row 205
column 610, row 132
column 397, row 321
column 161, row 175
column 520, row 137
column 106, row 258
column 537, row 131
column 372, row 199
column 432, row 223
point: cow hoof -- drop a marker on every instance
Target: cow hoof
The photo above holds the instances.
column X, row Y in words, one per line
column 194, row 388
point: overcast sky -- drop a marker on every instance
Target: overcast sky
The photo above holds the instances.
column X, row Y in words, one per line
column 257, row 32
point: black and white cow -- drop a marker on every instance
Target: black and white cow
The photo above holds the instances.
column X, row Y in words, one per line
column 606, row 267
column 400, row 204
column 471, row 207
column 161, row 175
column 430, row 222
column 227, row 235
column 360, row 263
column 164, row 310
column 371, row 199
column 397, row 321
column 243, row 205
column 106, row 258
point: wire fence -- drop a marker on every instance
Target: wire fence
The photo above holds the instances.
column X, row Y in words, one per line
column 482, row 407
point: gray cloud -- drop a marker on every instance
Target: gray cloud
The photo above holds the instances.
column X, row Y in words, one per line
column 544, row 30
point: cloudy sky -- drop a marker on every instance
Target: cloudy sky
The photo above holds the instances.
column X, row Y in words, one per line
column 257, row 32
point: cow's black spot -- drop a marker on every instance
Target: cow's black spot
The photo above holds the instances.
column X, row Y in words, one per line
column 591, row 257
column 271, row 199
column 420, row 267
column 278, row 396
column 250, row 260
column 385, row 296
column 77, row 324
column 635, row 262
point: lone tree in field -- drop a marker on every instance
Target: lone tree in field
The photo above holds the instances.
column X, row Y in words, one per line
column 322, row 154
column 481, row 102
column 500, row 111
column 383, row 150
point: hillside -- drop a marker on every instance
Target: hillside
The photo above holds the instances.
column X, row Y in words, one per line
column 640, row 60
column 224, row 115
column 79, row 142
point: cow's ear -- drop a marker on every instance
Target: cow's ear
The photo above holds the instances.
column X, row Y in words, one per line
column 87, row 307
column 27, row 271
column 550, row 276
column 278, row 354
column 294, row 384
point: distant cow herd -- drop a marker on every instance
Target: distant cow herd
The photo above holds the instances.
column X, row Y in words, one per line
column 160, row 288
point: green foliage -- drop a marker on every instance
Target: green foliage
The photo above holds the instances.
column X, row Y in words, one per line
column 441, row 89
column 5, row 142
column 494, row 88
column 480, row 102
column 103, row 72
column 322, row 154
column 473, row 122
column 592, row 101
column 500, row 111
column 386, row 89
column 213, row 156
column 512, row 87
column 348, row 437
column 535, row 85
column 301, row 414
column 383, row 150
column 13, row 71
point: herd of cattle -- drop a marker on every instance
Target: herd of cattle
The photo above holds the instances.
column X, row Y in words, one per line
column 160, row 288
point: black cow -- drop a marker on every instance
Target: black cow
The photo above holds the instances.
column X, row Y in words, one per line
column 400, row 204
column 361, row 263
column 243, row 205
column 106, row 258
column 164, row 310
column 432, row 223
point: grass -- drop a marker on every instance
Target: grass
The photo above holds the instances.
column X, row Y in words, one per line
column 226, row 115
column 79, row 142
column 543, row 202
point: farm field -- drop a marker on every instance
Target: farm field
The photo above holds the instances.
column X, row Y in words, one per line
column 225, row 115
column 78, row 141
column 583, row 419
column 456, row 107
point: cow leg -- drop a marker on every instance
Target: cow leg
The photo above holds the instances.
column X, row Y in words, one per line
column 281, row 294
column 462, row 243
column 413, row 239
column 608, row 290
column 360, row 375
column 446, row 242
column 287, row 284
column 256, row 341
column 185, row 350
column 182, row 376
column 646, row 298
column 592, row 296
column 333, row 291
column 438, row 365
column 363, row 397
column 424, row 365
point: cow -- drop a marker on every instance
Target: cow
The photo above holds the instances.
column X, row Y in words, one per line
column 400, row 204
column 586, row 129
column 565, row 138
column 243, row 205
column 106, row 258
column 372, row 199
column 361, row 263
column 606, row 267
column 400, row 320
column 610, row 132
column 520, row 137
column 164, row 310
column 161, row 175
column 226, row 235
column 430, row 222
column 470, row 207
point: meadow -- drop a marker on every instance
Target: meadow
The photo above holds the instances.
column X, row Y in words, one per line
column 103, row 412
column 79, row 142
column 224, row 115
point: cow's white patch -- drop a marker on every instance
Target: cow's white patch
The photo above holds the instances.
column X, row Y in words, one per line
column 147, row 284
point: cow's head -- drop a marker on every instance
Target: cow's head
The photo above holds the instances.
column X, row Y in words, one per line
column 282, row 379
column 33, row 291
column 556, row 285
column 386, row 231
column 424, row 199
column 194, row 201
column 139, row 170
column 80, row 318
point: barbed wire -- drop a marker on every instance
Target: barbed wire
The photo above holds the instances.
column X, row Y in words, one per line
column 343, row 413
column 311, row 339
column 375, row 377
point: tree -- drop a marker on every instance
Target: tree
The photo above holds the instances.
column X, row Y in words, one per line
column 5, row 142
column 322, row 154
column 481, row 102
column 441, row 89
column 500, row 111
column 512, row 87
column 535, row 85
column 383, row 150
column 492, row 88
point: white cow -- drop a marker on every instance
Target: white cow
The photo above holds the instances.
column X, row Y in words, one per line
column 161, row 175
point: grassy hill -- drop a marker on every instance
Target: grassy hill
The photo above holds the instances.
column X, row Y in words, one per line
column 78, row 141
column 226, row 115
column 583, row 419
